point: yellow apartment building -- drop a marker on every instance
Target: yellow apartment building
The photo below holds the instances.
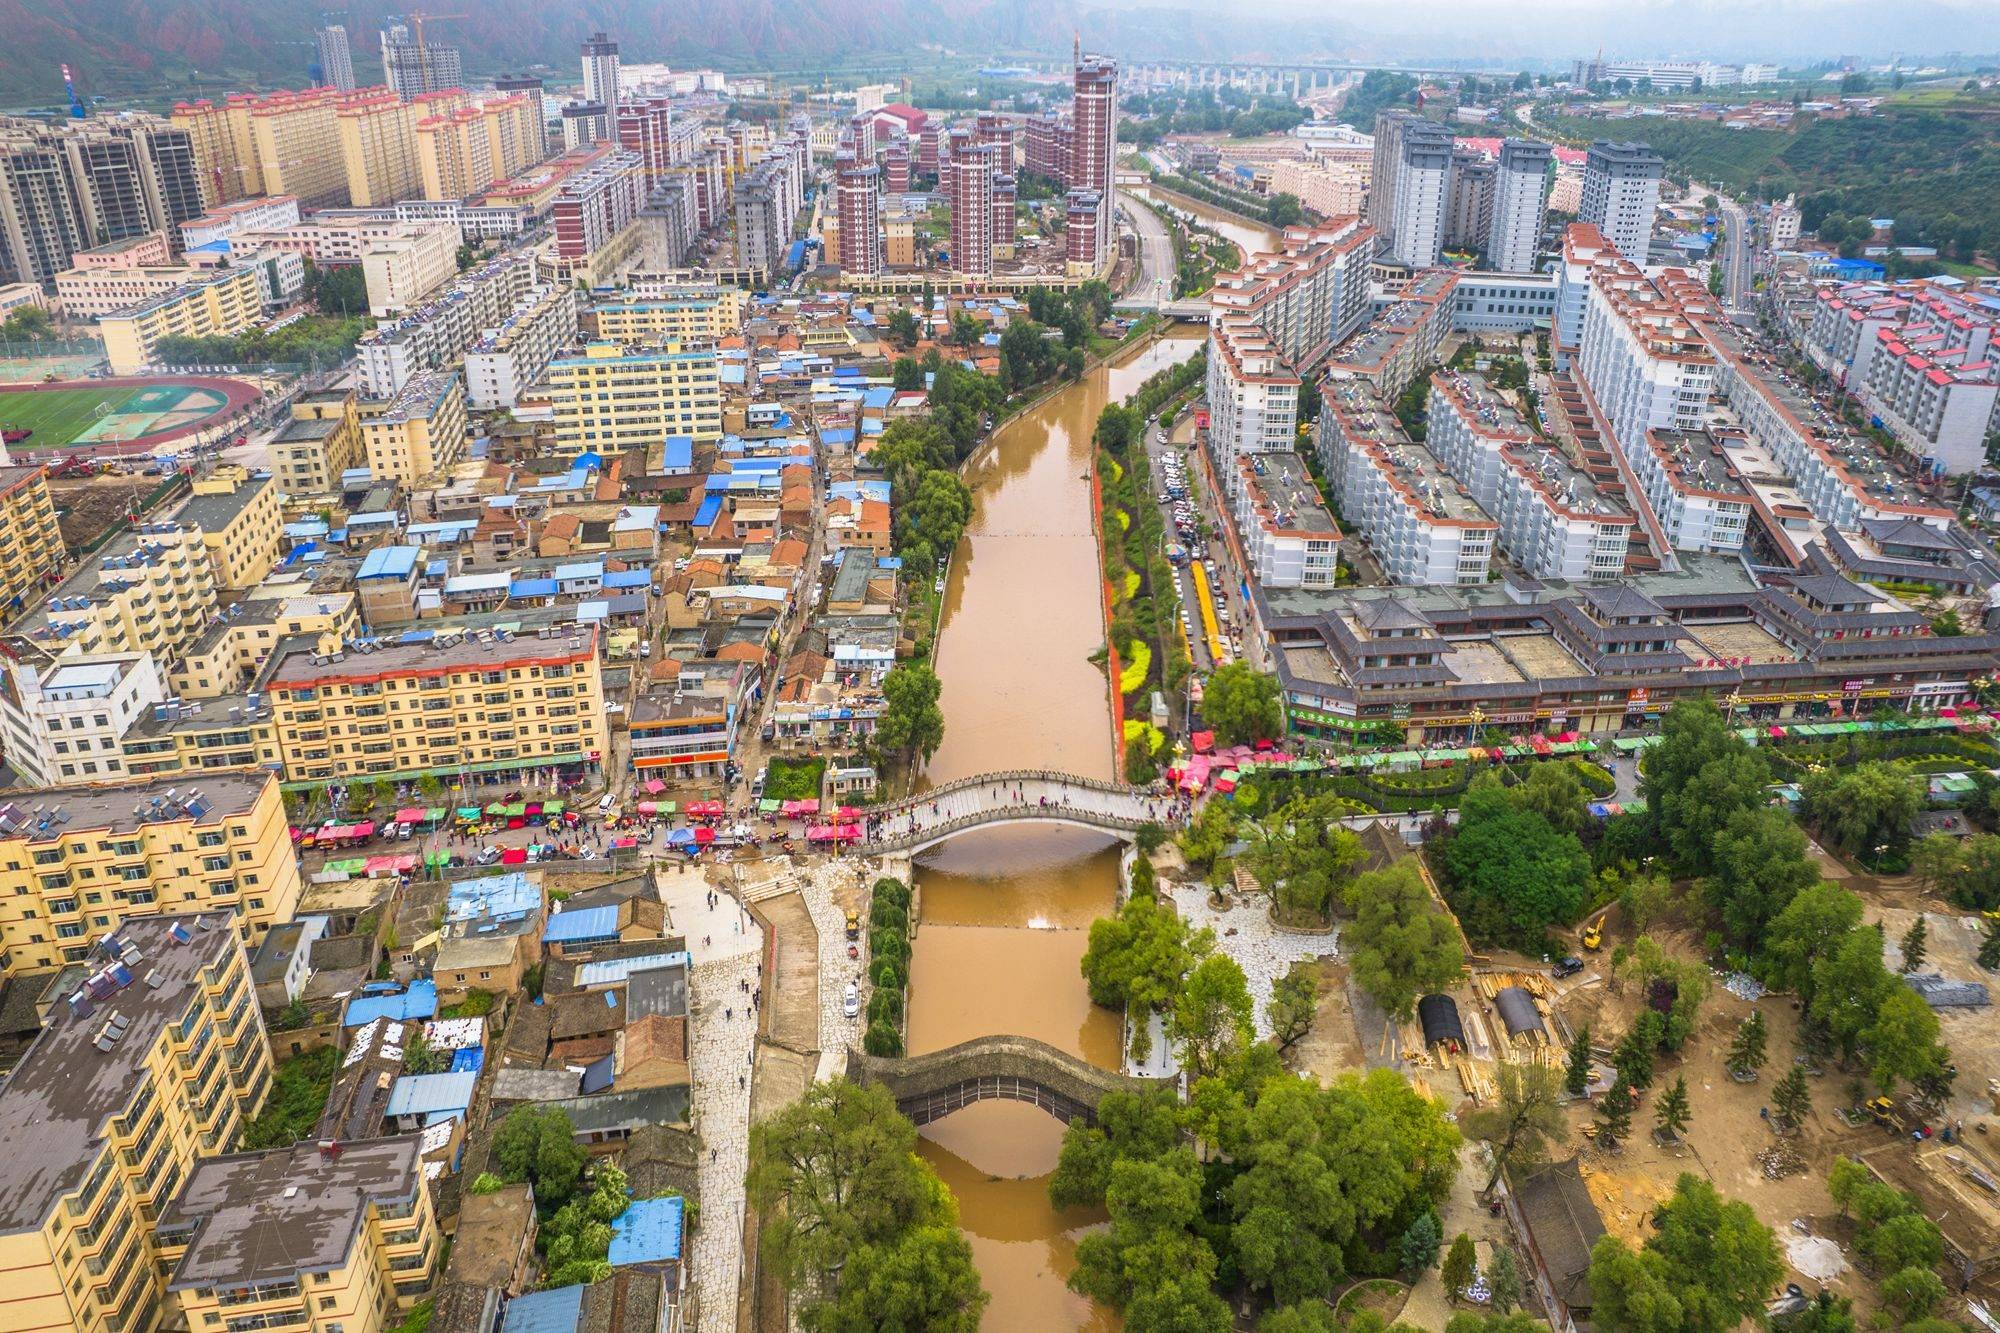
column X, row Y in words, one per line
column 31, row 545
column 224, row 155
column 296, row 144
column 687, row 315
column 139, row 848
column 240, row 519
column 303, row 1237
column 401, row 271
column 92, row 293
column 153, row 1059
column 150, row 590
column 455, row 155
column 231, row 651
column 610, row 399
column 199, row 736
column 360, row 1239
column 322, row 440
column 378, row 148
column 419, row 432
column 496, row 703
column 217, row 304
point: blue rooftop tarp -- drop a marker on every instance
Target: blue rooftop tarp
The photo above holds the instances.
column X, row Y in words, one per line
column 545, row 1311
column 711, row 505
column 389, row 562
column 647, row 1232
column 626, row 578
column 532, row 588
column 506, row 897
column 877, row 398
column 677, row 453
column 589, row 923
column 468, row 1059
column 837, row 435
column 419, row 1001
column 429, row 1094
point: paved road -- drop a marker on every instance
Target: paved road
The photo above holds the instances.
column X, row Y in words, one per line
column 1736, row 255
column 1155, row 284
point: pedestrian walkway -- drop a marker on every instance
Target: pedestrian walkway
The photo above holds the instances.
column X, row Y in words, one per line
column 719, row 1060
column 998, row 798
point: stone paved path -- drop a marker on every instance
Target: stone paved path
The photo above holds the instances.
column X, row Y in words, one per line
column 1264, row 952
column 724, row 1037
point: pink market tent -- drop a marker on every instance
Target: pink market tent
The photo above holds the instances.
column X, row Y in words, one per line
column 847, row 812
column 820, row 833
column 704, row 836
column 654, row 786
column 794, row 809
column 365, row 829
column 514, row 856
column 701, row 809
column 1204, row 741
column 380, row 865
column 847, row 833
column 620, row 844
column 649, row 807
column 413, row 815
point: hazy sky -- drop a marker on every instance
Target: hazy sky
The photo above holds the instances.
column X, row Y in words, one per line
column 1563, row 29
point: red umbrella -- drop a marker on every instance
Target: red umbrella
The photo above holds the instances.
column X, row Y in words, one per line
column 704, row 836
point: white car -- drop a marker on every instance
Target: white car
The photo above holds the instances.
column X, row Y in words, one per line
column 850, row 1001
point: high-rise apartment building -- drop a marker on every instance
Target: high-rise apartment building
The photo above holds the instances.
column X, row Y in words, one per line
column 600, row 81
column 1471, row 208
column 1621, row 194
column 334, row 57
column 73, row 185
column 1520, row 194
column 378, row 147
column 997, row 132
column 1409, row 193
column 1094, row 113
column 968, row 181
column 1005, row 195
column 859, row 193
column 657, row 391
column 413, row 68
column 596, row 204
column 861, row 133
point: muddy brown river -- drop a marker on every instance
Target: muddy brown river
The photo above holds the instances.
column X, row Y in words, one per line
column 1006, row 913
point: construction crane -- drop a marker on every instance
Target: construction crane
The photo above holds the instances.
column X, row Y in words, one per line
column 76, row 107
column 417, row 19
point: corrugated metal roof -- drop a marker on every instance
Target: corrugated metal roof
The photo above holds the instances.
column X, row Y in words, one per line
column 429, row 1094
column 544, row 1311
column 648, row 1231
column 590, row 923
column 418, row 1002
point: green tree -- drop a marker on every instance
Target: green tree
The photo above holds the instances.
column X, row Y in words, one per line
column 1576, row 1074
column 1759, row 865
column 538, row 1146
column 1906, row 1240
column 1284, row 211
column 1913, row 1293
column 1524, row 1122
column 1638, row 1049
column 902, row 328
column 1934, row 860
column 1747, row 1049
column 911, row 724
column 923, row 1279
column 1714, row 1257
column 1144, row 1126
column 1698, row 775
column 1614, row 1112
column 1148, row 1263
column 1460, row 1266
column 931, row 518
column 1903, row 1041
column 1554, row 792
column 1989, row 948
column 1241, row 705
column 1304, row 855
column 1305, row 1317
column 1826, row 1313
column 1631, row 1291
column 1511, row 873
column 1671, row 1114
column 1862, row 806
column 1420, row 1244
column 835, row 1172
column 1137, row 959
column 1213, row 1017
column 1811, row 927
column 1914, row 941
column 1848, row 988
column 1293, row 1005
column 1503, row 1279
column 1791, row 1099
column 1399, row 945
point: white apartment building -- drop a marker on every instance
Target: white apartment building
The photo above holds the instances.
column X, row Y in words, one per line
column 1784, row 224
column 62, row 719
column 512, row 355
column 1693, row 488
column 1583, row 249
column 1621, row 194
column 1421, row 524
column 402, row 271
column 1554, row 521
column 1287, row 537
column 1520, row 191
column 263, row 213
column 1641, row 358
column 1332, row 190
column 434, row 335
column 1409, row 189
column 1253, row 396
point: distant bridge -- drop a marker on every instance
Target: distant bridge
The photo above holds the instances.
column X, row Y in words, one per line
column 1021, row 1069
column 1024, row 797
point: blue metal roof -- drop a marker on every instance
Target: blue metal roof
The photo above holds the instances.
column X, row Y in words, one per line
column 545, row 1311
column 588, row 923
column 838, row 435
column 579, row 569
column 504, row 897
column 389, row 562
column 611, row 971
column 877, row 397
column 648, row 1231
column 626, row 578
column 532, row 588
column 677, row 453
column 428, row 1094
column 711, row 505
column 419, row 1001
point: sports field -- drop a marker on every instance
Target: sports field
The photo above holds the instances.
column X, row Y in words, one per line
column 99, row 414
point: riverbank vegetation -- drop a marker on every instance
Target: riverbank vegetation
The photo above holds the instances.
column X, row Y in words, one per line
column 859, row 1227
column 1280, row 210
column 1151, row 117
column 1145, row 624
column 889, row 928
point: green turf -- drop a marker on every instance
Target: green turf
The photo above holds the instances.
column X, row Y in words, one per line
column 58, row 416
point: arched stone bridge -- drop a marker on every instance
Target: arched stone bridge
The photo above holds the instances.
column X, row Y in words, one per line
column 1014, row 797
column 930, row 1087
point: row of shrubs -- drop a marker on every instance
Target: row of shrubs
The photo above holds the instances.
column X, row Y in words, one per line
column 888, row 967
column 1417, row 791
column 1792, row 760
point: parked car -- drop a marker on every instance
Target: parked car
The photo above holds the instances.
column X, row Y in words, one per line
column 1567, row 966
column 850, row 1001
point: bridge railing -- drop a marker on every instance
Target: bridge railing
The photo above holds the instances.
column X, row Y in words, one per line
column 1008, row 814
column 1014, row 775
